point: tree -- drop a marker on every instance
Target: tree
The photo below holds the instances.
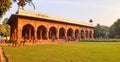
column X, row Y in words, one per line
column 5, row 29
column 22, row 3
column 5, row 21
column 2, row 30
column 101, row 31
column 115, row 29
column 4, row 6
column 97, row 31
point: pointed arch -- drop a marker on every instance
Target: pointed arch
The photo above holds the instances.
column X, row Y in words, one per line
column 52, row 32
column 28, row 32
column 82, row 34
column 77, row 33
column 87, row 34
column 62, row 33
column 70, row 32
column 90, row 34
column 41, row 32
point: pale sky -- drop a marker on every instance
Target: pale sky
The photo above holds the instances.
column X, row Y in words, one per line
column 104, row 12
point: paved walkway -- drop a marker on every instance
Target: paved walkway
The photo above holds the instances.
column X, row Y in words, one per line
column 0, row 53
column 2, row 56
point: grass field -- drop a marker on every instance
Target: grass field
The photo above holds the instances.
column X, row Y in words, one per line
column 66, row 52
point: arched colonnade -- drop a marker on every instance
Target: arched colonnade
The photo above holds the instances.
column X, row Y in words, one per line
column 45, row 33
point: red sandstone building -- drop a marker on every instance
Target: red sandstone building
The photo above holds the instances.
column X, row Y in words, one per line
column 40, row 27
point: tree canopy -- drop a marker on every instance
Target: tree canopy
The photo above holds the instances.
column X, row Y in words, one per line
column 4, row 6
column 101, row 31
column 5, row 28
column 2, row 29
column 115, row 29
column 22, row 3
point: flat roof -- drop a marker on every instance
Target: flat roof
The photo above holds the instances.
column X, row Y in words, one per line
column 51, row 17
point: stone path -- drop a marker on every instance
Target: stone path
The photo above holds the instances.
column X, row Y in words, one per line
column 2, row 55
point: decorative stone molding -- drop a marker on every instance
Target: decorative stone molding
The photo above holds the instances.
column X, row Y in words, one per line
column 51, row 17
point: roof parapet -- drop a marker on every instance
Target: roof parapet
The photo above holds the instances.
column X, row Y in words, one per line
column 50, row 17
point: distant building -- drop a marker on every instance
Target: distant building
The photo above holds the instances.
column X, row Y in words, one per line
column 42, row 27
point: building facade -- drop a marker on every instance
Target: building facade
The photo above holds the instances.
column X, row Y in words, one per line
column 39, row 27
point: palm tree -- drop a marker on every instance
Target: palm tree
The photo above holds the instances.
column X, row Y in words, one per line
column 22, row 3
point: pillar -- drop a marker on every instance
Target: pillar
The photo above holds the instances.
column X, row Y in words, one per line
column 41, row 34
column 30, row 35
column 57, row 34
column 15, row 34
column 88, row 35
column 65, row 34
column 11, row 32
column 35, row 35
column 19, row 35
column 92, row 35
column 73, row 34
column 84, row 35
column 80, row 35
column 47, row 33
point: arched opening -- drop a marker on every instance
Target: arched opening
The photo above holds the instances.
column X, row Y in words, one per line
column 90, row 34
column 62, row 33
column 87, row 34
column 41, row 33
column 28, row 32
column 82, row 34
column 76, row 33
column 52, row 33
column 70, row 33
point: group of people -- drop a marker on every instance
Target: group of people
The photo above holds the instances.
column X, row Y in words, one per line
column 14, row 43
column 2, row 41
column 67, row 39
column 23, row 41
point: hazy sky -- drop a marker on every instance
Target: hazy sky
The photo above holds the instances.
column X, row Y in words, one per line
column 105, row 12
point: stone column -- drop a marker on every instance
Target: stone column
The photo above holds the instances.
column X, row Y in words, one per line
column 47, row 33
column 35, row 35
column 41, row 34
column 29, row 34
column 57, row 34
column 88, row 36
column 50, row 35
column 73, row 34
column 84, row 35
column 11, row 34
column 92, row 35
column 15, row 34
column 80, row 35
column 65, row 36
column 19, row 35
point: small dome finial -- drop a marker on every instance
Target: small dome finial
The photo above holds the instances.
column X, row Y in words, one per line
column 91, row 20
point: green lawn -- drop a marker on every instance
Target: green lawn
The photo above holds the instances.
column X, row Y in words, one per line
column 67, row 52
